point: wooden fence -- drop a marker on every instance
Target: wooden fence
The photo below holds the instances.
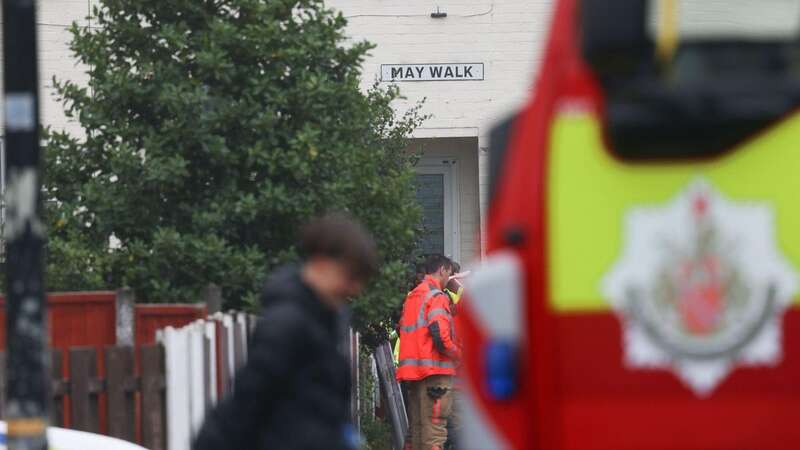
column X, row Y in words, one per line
column 201, row 361
column 135, row 399
column 155, row 395
column 112, row 317
column 203, row 357
column 76, row 318
column 140, row 379
column 106, row 318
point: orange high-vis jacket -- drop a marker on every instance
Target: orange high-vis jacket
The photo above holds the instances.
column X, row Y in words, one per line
column 427, row 337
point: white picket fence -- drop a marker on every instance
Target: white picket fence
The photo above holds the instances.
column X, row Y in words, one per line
column 201, row 360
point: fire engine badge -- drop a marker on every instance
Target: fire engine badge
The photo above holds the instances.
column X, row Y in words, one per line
column 701, row 287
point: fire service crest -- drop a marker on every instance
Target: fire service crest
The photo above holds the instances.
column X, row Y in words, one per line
column 701, row 287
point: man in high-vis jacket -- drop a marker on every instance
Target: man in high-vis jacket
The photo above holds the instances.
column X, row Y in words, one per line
column 429, row 356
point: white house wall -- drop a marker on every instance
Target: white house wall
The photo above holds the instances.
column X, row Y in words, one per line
column 507, row 36
column 504, row 35
column 55, row 58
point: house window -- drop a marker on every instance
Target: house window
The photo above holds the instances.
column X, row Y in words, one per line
column 437, row 194
column 430, row 195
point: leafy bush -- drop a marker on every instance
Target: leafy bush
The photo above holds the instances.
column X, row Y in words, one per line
column 213, row 130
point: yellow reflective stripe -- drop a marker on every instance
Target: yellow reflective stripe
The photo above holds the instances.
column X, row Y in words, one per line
column 589, row 192
column 26, row 427
column 437, row 312
column 421, row 322
column 455, row 296
column 427, row 363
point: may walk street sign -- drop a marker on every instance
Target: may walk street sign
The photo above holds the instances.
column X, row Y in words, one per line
column 432, row 72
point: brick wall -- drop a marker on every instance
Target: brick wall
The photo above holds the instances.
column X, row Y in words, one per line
column 55, row 58
column 506, row 36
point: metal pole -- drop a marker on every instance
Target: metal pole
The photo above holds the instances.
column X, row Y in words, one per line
column 2, row 182
column 2, row 198
column 27, row 367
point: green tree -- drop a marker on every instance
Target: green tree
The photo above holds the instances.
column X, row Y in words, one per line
column 213, row 130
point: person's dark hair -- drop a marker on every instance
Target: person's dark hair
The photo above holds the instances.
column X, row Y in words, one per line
column 419, row 273
column 435, row 262
column 340, row 237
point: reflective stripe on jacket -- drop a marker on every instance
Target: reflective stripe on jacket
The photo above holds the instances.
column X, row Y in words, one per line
column 427, row 341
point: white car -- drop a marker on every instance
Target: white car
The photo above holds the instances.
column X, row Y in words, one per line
column 63, row 439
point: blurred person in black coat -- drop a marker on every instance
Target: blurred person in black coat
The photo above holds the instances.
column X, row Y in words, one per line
column 294, row 391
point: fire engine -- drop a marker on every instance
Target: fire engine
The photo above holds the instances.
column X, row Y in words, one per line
column 640, row 289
